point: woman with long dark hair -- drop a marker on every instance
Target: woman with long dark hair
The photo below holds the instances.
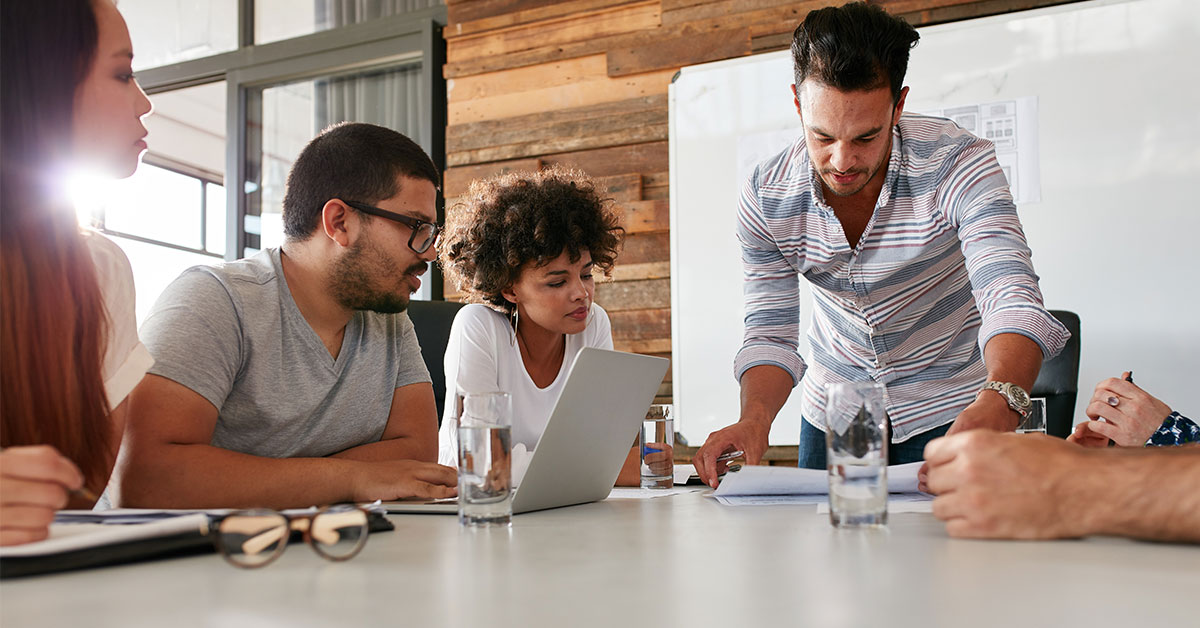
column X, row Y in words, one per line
column 69, row 351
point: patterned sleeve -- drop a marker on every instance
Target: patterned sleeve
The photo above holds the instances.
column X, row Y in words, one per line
column 771, row 292
column 976, row 199
column 1175, row 430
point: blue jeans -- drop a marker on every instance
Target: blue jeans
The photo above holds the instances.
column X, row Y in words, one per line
column 812, row 446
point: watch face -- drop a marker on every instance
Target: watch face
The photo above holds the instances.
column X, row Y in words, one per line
column 1019, row 396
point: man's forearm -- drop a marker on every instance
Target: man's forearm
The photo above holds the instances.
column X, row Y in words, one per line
column 1143, row 493
column 422, row 448
column 1013, row 358
column 203, row 476
column 764, row 389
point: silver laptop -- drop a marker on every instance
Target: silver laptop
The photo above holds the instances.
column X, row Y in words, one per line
column 588, row 437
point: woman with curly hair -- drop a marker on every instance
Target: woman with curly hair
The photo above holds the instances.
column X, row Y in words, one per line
column 523, row 249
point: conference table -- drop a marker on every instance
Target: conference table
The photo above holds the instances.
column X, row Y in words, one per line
column 678, row 560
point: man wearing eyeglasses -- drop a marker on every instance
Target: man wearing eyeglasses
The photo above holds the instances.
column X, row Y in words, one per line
column 292, row 377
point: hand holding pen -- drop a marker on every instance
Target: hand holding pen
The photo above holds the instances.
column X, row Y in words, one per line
column 1121, row 412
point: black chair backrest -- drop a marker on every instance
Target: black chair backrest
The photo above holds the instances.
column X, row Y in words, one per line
column 432, row 321
column 1058, row 380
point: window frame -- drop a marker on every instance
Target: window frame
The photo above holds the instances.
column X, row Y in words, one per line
column 202, row 178
column 392, row 41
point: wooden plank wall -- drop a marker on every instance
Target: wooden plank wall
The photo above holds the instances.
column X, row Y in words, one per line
column 583, row 83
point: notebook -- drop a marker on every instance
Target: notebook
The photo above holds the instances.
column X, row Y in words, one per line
column 594, row 423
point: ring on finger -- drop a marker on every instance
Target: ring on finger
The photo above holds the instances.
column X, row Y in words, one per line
column 1113, row 401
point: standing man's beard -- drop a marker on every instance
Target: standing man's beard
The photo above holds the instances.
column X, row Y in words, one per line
column 350, row 281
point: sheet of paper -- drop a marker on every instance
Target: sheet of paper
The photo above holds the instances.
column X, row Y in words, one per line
column 66, row 537
column 683, row 472
column 630, row 492
column 764, row 480
column 897, row 503
column 772, row 500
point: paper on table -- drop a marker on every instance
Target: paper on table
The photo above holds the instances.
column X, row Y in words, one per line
column 897, row 503
column 764, row 480
column 66, row 537
column 773, row 500
column 683, row 473
column 629, row 492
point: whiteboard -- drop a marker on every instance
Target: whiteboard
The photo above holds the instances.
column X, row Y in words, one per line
column 1113, row 235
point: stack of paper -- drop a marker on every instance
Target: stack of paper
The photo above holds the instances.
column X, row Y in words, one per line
column 763, row 485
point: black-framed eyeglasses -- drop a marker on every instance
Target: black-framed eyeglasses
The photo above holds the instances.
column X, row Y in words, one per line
column 255, row 538
column 424, row 233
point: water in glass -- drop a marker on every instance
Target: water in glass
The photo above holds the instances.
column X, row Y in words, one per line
column 856, row 454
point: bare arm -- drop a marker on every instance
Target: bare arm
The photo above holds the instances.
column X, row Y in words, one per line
column 167, row 462
column 411, row 431
column 1009, row 358
column 764, row 389
column 1150, row 494
column 1025, row 486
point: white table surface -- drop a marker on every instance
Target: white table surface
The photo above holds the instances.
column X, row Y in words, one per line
column 674, row 561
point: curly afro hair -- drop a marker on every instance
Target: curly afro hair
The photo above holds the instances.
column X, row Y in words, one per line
column 508, row 221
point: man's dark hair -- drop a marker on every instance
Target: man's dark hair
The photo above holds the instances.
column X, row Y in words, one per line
column 351, row 161
column 856, row 46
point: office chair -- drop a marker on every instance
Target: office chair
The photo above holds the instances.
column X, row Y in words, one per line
column 432, row 321
column 1058, row 381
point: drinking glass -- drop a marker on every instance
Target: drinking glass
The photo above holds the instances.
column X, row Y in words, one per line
column 856, row 454
column 657, row 444
column 1036, row 421
column 485, row 459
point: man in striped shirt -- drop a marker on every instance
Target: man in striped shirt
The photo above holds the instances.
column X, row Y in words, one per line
column 906, row 230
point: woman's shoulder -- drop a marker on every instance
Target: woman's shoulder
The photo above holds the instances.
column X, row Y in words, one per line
column 475, row 317
column 110, row 261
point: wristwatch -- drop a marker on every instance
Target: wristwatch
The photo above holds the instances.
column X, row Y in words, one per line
column 1016, row 396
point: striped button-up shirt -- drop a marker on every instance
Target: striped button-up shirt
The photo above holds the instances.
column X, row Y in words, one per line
column 941, row 268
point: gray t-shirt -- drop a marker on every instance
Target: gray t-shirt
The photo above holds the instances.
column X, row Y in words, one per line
column 233, row 334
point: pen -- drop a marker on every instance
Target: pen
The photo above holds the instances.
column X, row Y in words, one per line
column 1129, row 376
column 83, row 493
column 730, row 455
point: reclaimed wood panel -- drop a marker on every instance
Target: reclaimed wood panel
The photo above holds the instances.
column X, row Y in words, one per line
column 639, row 16
column 456, row 180
column 641, row 248
column 658, row 345
column 599, row 90
column 557, row 123
column 976, row 9
column 645, row 216
column 679, row 51
column 458, row 11
column 601, row 162
column 641, row 324
column 645, row 270
column 646, row 294
column 672, row 14
column 544, row 11
column 622, row 188
column 635, row 133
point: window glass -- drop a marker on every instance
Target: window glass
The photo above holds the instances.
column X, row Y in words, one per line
column 170, row 31
column 282, row 19
column 294, row 113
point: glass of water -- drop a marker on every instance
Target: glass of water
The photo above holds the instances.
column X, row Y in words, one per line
column 657, row 447
column 856, row 449
column 1036, row 421
column 485, row 459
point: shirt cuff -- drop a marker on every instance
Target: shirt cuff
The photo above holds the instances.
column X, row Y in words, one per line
column 754, row 355
column 1031, row 321
column 127, row 376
